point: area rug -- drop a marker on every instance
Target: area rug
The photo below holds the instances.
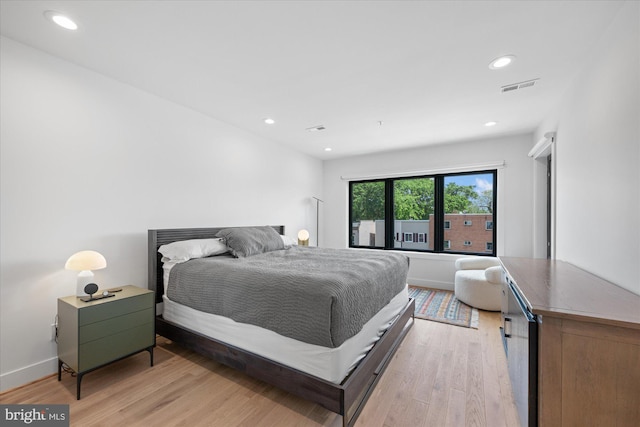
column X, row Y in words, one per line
column 443, row 306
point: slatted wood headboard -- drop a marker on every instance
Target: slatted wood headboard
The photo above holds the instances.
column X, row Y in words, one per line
column 157, row 238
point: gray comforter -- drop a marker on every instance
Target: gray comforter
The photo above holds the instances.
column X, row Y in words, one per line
column 316, row 295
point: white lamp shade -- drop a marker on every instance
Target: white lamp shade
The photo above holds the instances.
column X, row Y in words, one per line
column 86, row 260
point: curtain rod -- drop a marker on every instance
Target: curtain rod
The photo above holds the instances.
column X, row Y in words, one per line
column 451, row 169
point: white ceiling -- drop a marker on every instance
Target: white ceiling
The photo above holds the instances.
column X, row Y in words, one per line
column 420, row 67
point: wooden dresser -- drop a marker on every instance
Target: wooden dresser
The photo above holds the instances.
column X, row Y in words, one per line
column 588, row 344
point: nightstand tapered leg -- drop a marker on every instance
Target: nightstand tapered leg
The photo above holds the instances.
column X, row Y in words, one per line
column 78, row 381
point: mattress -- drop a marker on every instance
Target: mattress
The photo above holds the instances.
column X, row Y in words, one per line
column 330, row 364
column 317, row 295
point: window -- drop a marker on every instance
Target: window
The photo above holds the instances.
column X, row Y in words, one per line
column 367, row 200
column 425, row 213
column 468, row 202
column 412, row 205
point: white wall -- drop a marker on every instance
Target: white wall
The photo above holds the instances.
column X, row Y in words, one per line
column 90, row 163
column 514, row 214
column 598, row 158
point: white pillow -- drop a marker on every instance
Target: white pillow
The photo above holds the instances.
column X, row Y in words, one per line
column 288, row 241
column 185, row 250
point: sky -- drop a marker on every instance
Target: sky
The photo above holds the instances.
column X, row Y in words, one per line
column 481, row 182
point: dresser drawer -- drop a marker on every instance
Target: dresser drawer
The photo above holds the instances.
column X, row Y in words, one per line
column 116, row 307
column 98, row 352
column 105, row 328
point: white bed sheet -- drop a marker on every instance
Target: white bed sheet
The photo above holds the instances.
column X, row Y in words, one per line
column 330, row 364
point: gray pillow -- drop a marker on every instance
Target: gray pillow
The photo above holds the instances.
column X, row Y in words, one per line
column 247, row 241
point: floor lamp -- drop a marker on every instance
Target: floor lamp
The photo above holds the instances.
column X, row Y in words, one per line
column 317, row 220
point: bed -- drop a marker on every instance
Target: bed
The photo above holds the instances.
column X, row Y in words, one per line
column 343, row 388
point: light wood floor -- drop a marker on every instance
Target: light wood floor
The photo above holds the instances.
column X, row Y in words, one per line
column 442, row 375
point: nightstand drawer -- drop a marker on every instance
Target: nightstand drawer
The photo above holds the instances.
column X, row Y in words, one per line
column 109, row 327
column 117, row 307
column 107, row 349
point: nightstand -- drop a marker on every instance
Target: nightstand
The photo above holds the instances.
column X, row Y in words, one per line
column 95, row 333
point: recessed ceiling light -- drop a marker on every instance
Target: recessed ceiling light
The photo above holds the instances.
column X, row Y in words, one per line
column 501, row 62
column 61, row 19
column 269, row 121
column 327, row 149
column 489, row 124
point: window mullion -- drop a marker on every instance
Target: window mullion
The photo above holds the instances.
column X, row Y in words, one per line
column 388, row 214
column 438, row 214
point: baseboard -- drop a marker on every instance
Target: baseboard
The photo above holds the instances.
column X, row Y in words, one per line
column 28, row 374
column 426, row 283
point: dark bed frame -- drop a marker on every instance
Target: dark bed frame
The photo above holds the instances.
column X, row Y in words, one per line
column 346, row 399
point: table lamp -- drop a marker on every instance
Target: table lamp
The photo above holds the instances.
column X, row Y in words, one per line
column 303, row 238
column 84, row 262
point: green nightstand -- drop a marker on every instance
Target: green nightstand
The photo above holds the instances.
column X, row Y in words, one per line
column 95, row 333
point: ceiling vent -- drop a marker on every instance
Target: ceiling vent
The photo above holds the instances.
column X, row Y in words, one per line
column 516, row 86
column 316, row 128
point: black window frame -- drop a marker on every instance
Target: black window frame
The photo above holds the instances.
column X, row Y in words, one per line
column 439, row 214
